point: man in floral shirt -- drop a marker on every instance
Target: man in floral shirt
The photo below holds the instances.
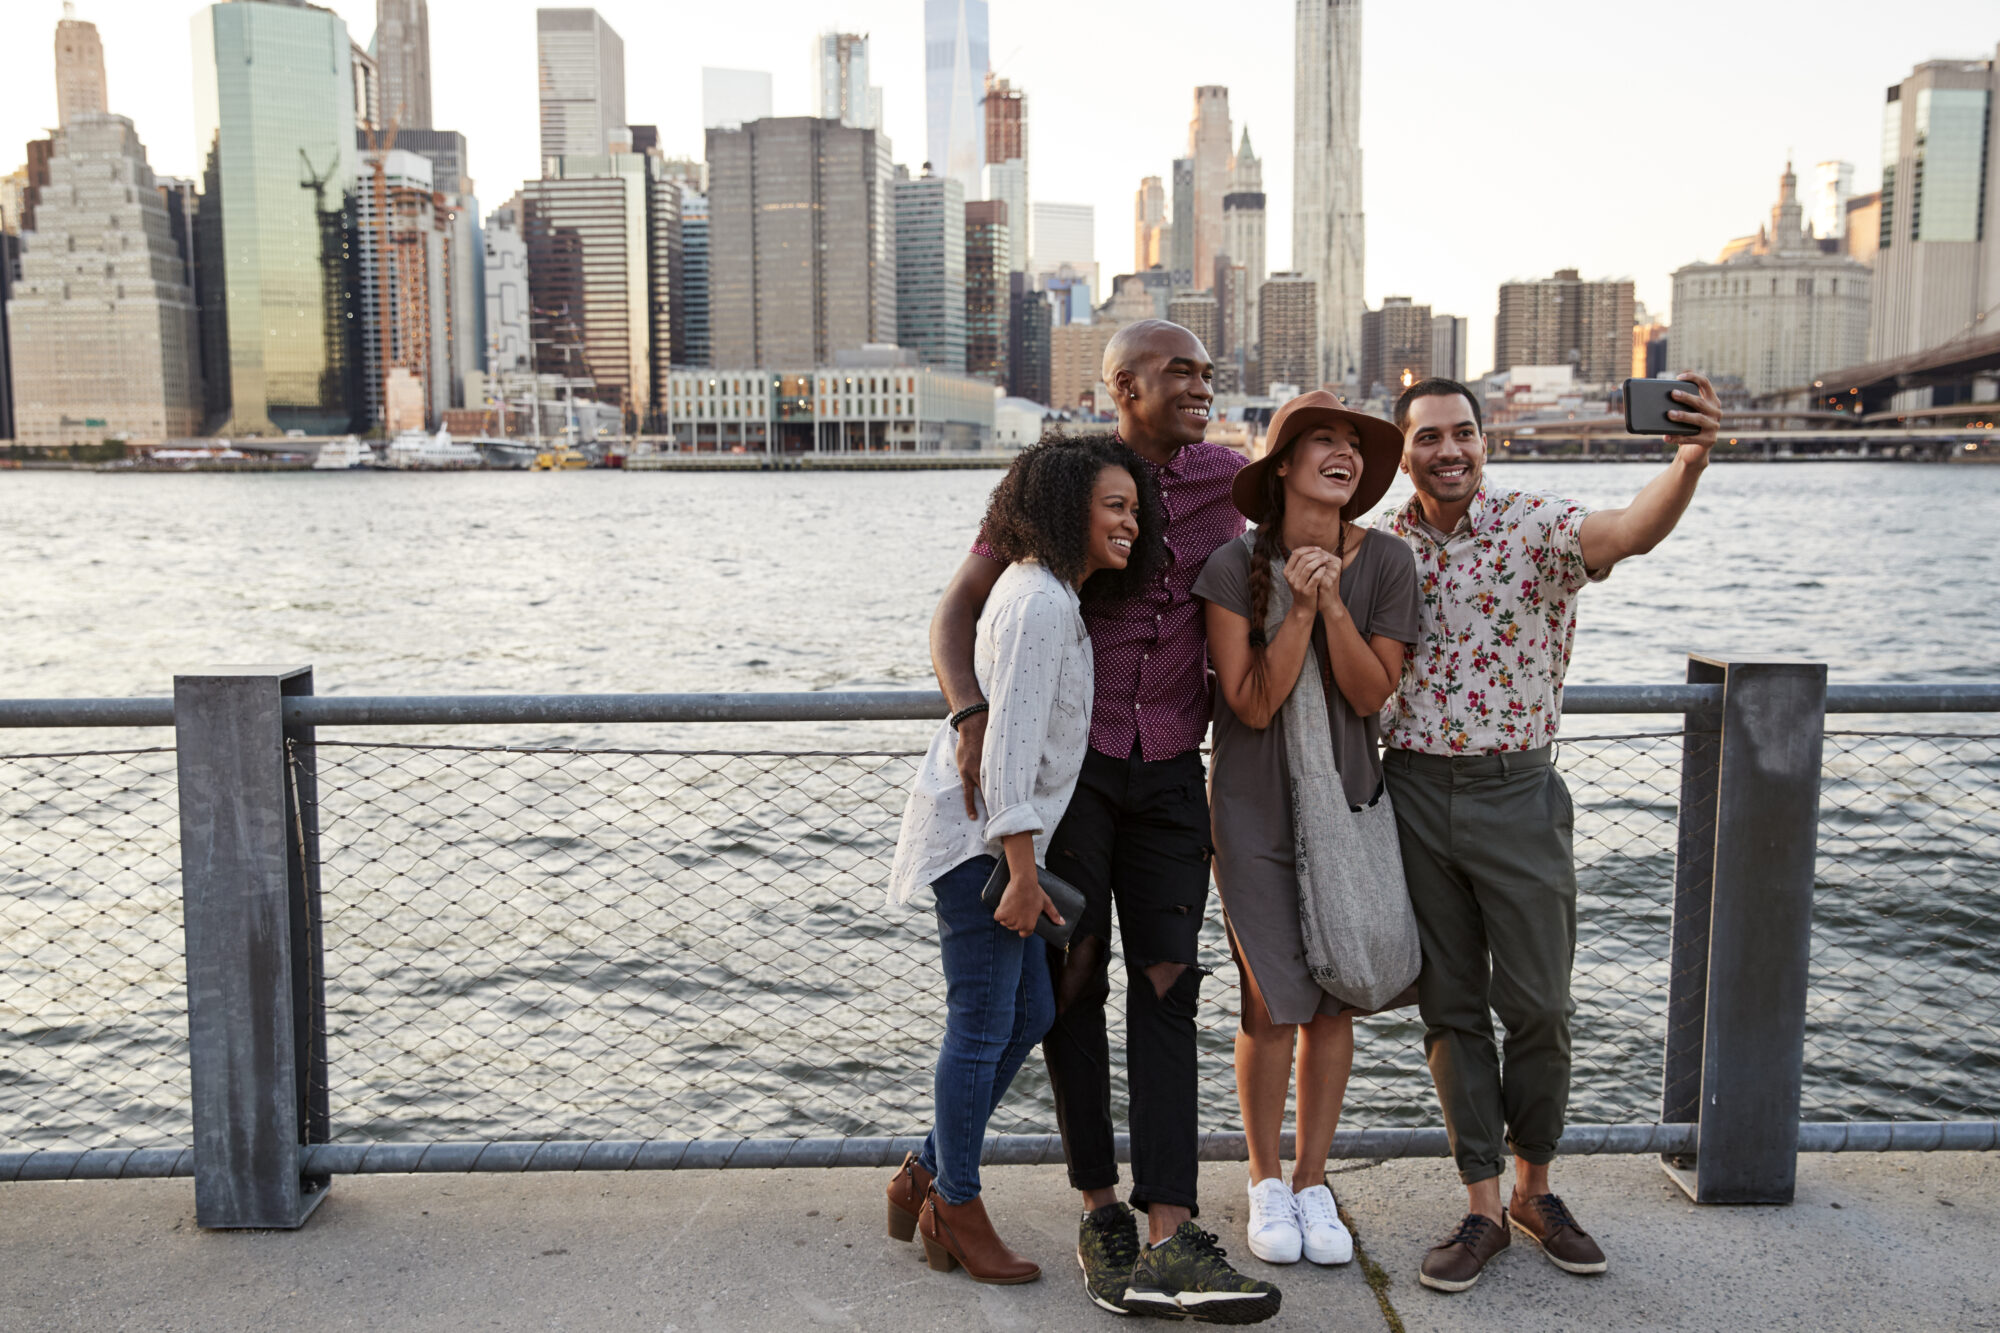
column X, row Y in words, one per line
column 1485, row 820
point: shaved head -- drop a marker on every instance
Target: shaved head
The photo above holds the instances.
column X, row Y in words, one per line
column 1162, row 384
column 1144, row 338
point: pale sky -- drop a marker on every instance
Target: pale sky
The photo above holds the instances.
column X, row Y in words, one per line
column 1499, row 141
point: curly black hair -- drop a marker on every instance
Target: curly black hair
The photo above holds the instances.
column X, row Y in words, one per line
column 1041, row 511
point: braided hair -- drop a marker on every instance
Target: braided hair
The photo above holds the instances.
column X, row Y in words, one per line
column 1268, row 547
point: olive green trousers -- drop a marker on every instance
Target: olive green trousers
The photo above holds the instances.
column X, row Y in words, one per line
column 1486, row 842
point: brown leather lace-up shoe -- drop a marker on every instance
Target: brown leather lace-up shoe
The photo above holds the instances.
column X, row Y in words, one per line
column 1456, row 1264
column 1545, row 1220
column 960, row 1234
column 906, row 1198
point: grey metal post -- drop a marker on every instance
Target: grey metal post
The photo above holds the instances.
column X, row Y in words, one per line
column 249, row 847
column 1694, row 890
column 1751, row 1040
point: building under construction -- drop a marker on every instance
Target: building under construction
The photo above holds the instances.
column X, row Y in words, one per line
column 407, row 251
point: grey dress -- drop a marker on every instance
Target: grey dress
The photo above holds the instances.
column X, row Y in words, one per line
column 1249, row 790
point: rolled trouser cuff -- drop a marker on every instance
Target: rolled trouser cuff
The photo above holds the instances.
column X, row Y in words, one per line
column 1142, row 1197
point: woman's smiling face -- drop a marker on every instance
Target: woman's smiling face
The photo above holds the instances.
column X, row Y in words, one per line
column 1113, row 522
column 1324, row 467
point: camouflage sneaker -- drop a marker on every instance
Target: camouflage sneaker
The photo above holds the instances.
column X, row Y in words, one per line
column 1186, row 1277
column 1107, row 1245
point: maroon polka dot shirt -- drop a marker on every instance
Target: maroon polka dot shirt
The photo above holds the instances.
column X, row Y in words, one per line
column 1152, row 650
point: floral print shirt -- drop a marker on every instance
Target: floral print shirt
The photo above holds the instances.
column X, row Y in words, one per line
column 1499, row 617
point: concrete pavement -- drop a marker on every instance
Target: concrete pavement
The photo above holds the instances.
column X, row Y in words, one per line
column 1874, row 1242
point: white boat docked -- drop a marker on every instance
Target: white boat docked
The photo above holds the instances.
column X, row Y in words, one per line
column 414, row 450
column 342, row 455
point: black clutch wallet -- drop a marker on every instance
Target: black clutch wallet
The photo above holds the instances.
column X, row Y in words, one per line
column 1065, row 895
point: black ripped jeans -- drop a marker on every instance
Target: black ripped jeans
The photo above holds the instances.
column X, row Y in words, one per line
column 1135, row 834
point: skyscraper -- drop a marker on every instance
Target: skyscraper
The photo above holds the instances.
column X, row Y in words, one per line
column 801, row 242
column 1233, row 352
column 1565, row 320
column 1290, row 350
column 930, row 270
column 1029, row 324
column 508, row 346
column 274, row 104
column 1006, row 121
column 367, row 92
column 1328, row 235
column 1200, row 314
column 1007, row 165
column 588, row 229
column 404, row 245
column 1149, row 225
column 1066, row 238
column 1209, row 149
column 79, row 67
column 582, row 63
column 1180, row 241
column 840, row 81
column 1937, row 271
column 666, row 274
column 692, row 347
column 986, row 301
column 955, row 65
column 450, row 176
column 1243, row 228
column 103, row 322
column 1076, row 363
column 1395, row 346
column 1448, row 333
column 402, row 51
column 732, row 98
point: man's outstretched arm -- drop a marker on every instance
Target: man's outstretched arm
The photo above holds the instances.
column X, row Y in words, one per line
column 1609, row 535
column 953, row 627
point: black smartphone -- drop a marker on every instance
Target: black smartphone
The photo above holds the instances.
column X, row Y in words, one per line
column 1647, row 403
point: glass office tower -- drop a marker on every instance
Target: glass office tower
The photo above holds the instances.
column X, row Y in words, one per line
column 274, row 111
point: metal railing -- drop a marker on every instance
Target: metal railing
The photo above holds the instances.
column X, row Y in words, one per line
column 477, row 957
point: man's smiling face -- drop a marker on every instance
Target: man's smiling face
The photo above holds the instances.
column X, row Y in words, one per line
column 1444, row 452
column 1174, row 379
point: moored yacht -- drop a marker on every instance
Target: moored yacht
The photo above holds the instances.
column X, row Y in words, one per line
column 341, row 455
column 413, row 449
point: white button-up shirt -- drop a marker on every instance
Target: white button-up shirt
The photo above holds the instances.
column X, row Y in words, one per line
column 1499, row 618
column 1032, row 659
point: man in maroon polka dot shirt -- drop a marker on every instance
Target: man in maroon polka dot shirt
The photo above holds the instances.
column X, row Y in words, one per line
column 1136, row 834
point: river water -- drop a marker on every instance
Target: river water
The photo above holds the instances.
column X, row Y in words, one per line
column 659, row 942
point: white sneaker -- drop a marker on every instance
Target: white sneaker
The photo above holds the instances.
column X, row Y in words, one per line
column 1325, row 1240
column 1274, row 1223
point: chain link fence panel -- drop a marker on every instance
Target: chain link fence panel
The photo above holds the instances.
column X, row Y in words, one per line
column 613, row 943
column 1903, row 1015
column 93, row 985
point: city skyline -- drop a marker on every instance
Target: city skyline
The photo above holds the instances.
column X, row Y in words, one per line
column 1591, row 194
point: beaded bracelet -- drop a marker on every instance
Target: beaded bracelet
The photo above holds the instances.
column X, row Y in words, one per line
column 968, row 711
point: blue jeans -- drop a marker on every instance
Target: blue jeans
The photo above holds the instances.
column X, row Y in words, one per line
column 998, row 1006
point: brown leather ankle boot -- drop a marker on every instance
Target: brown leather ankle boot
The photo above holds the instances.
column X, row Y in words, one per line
column 961, row 1234
column 906, row 1198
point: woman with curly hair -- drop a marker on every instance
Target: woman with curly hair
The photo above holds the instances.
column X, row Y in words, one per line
column 1075, row 519
column 1309, row 618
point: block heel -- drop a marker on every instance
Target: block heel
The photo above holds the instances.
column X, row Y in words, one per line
column 902, row 1224
column 938, row 1256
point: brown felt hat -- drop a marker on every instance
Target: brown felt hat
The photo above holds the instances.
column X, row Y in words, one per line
column 1381, row 453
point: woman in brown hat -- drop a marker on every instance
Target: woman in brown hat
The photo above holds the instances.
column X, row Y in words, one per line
column 1307, row 600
